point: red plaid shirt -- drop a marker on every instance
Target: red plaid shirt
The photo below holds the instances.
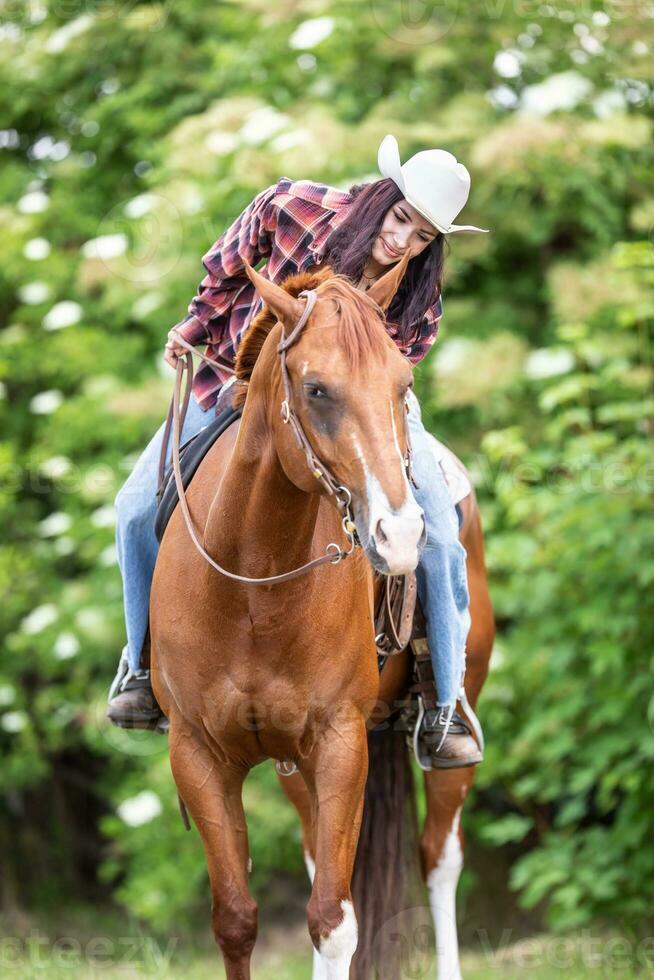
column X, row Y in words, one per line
column 288, row 223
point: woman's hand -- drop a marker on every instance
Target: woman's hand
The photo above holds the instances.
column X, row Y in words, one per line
column 173, row 350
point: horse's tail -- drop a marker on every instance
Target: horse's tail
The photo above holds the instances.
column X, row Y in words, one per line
column 386, row 865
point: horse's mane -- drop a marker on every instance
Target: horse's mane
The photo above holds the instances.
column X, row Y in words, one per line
column 358, row 332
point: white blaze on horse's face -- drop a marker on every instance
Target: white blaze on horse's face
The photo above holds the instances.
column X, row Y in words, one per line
column 348, row 386
column 394, row 535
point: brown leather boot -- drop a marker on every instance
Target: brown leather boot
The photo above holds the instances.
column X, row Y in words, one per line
column 459, row 748
column 135, row 706
column 463, row 745
column 132, row 703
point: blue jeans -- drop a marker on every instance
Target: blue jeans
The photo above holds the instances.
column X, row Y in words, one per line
column 441, row 574
column 442, row 581
column 136, row 542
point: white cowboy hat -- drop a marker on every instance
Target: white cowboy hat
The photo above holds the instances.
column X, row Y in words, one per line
column 432, row 181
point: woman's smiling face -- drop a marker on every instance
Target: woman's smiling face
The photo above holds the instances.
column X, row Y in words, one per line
column 403, row 228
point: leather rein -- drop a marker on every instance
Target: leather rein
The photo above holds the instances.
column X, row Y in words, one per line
column 342, row 496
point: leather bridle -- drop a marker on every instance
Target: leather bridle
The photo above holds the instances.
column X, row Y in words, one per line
column 342, row 496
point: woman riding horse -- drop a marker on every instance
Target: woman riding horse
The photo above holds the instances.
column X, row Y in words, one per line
column 359, row 233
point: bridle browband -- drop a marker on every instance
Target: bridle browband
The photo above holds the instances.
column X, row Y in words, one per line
column 342, row 496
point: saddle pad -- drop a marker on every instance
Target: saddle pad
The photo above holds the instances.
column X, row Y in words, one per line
column 456, row 478
column 191, row 454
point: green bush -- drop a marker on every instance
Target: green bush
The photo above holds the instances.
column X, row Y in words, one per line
column 159, row 124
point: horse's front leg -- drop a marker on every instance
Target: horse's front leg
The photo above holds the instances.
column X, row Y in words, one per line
column 212, row 795
column 336, row 776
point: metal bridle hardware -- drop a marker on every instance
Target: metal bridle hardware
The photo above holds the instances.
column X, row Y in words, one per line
column 342, row 495
column 343, row 498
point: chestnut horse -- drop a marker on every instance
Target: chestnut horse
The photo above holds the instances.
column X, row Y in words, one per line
column 380, row 877
column 288, row 671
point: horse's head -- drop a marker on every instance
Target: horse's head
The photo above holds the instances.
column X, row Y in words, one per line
column 347, row 385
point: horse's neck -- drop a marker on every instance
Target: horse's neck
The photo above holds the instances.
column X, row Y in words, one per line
column 259, row 521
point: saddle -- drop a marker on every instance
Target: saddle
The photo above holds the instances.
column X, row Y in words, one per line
column 191, row 454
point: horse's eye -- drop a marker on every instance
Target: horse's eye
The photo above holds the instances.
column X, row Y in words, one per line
column 315, row 392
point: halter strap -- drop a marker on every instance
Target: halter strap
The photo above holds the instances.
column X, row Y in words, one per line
column 334, row 553
column 342, row 496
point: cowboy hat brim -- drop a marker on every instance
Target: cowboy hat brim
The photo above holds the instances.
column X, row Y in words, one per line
column 446, row 231
column 388, row 161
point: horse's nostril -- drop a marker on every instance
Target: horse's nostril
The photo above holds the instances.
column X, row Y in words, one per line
column 380, row 534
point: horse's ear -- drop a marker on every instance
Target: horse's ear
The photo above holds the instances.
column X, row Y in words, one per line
column 385, row 288
column 286, row 308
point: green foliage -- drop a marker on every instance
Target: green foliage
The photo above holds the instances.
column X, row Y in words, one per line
column 159, row 125
column 570, row 551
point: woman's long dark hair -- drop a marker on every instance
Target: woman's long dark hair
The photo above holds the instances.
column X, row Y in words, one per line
column 349, row 246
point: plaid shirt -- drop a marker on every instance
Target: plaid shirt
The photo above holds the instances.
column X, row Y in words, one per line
column 288, row 223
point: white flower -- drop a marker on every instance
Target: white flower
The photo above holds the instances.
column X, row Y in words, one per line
column 13, row 721
column 64, row 546
column 40, row 618
column 33, row 202
column 502, row 97
column 564, row 90
column 37, row 13
column 104, row 516
column 36, row 249
column 138, row 206
column 109, row 86
column 146, row 304
column 140, row 809
column 46, row 402
column 89, row 620
column 548, row 362
column 63, row 314
column 221, row 143
column 10, row 32
column 59, row 39
column 263, row 123
column 55, row 524
column 7, row 695
column 55, row 467
column 508, row 63
column 33, row 293
column 105, row 247
column 191, row 199
column 47, row 148
column 453, row 355
column 66, row 646
column 286, row 141
column 108, row 556
column 590, row 44
column 607, row 102
column 306, row 62
column 601, row 19
column 100, row 385
column 311, row 32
